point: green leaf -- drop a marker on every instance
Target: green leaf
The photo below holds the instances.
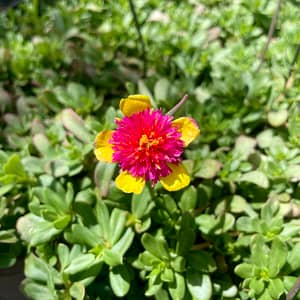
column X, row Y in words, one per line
column 80, row 263
column 199, row 285
column 41, row 143
column 37, row 269
column 36, row 230
column 277, row 257
column 259, row 252
column 14, row 167
column 57, row 168
column 141, row 204
column 63, row 255
column 83, row 235
column 103, row 176
column 188, row 199
column 75, row 125
column 102, row 216
column 55, row 201
column 8, row 236
column 167, row 275
column 177, row 287
column 269, row 211
column 178, row 264
column 112, row 258
column 293, row 258
column 245, row 224
column 156, row 245
column 161, row 89
column 244, row 146
column 276, row 288
column 292, row 172
column 206, row 223
column 153, row 287
column 36, row 290
column 256, row 177
column 117, row 224
column 77, row 291
column 6, row 188
column 119, row 279
column 277, row 118
column 244, row 270
column 209, row 169
column 185, row 241
column 201, row 261
column 62, row 222
column 257, row 285
column 124, row 242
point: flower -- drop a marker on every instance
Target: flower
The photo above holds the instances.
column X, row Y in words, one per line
column 147, row 145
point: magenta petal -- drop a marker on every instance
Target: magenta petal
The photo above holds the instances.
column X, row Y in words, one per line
column 145, row 143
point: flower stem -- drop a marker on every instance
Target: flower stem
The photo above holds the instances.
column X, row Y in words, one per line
column 141, row 40
column 173, row 110
column 294, row 290
column 270, row 35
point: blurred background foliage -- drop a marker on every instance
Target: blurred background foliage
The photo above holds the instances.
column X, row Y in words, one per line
column 234, row 232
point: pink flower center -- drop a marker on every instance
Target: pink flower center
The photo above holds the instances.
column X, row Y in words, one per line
column 145, row 143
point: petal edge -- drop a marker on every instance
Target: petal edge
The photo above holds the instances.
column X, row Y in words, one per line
column 103, row 149
column 129, row 184
column 177, row 180
column 134, row 104
column 188, row 128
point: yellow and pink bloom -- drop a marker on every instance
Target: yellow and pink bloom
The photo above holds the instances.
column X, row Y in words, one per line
column 147, row 145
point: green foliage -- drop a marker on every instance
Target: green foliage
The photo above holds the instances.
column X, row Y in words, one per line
column 233, row 233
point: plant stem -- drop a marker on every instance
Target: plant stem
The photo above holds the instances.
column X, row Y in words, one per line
column 294, row 290
column 173, row 110
column 292, row 65
column 270, row 35
column 141, row 40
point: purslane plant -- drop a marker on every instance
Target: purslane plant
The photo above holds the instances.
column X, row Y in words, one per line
column 147, row 145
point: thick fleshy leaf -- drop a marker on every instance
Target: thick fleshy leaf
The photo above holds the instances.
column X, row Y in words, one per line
column 103, row 176
column 103, row 149
column 156, row 246
column 256, row 177
column 38, row 269
column 209, row 169
column 35, row 290
column 73, row 122
column 244, row 270
column 124, row 242
column 77, row 290
column 112, row 258
column 277, row 257
column 141, row 204
column 201, row 261
column 134, row 104
column 188, row 128
column 119, row 279
column 35, row 230
column 276, row 288
column 199, row 285
column 188, row 200
column 177, row 287
column 177, row 180
column 81, row 263
column 117, row 224
column 129, row 184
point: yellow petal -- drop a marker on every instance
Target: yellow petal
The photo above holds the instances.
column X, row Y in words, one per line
column 134, row 104
column 177, row 180
column 103, row 149
column 129, row 184
column 188, row 128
